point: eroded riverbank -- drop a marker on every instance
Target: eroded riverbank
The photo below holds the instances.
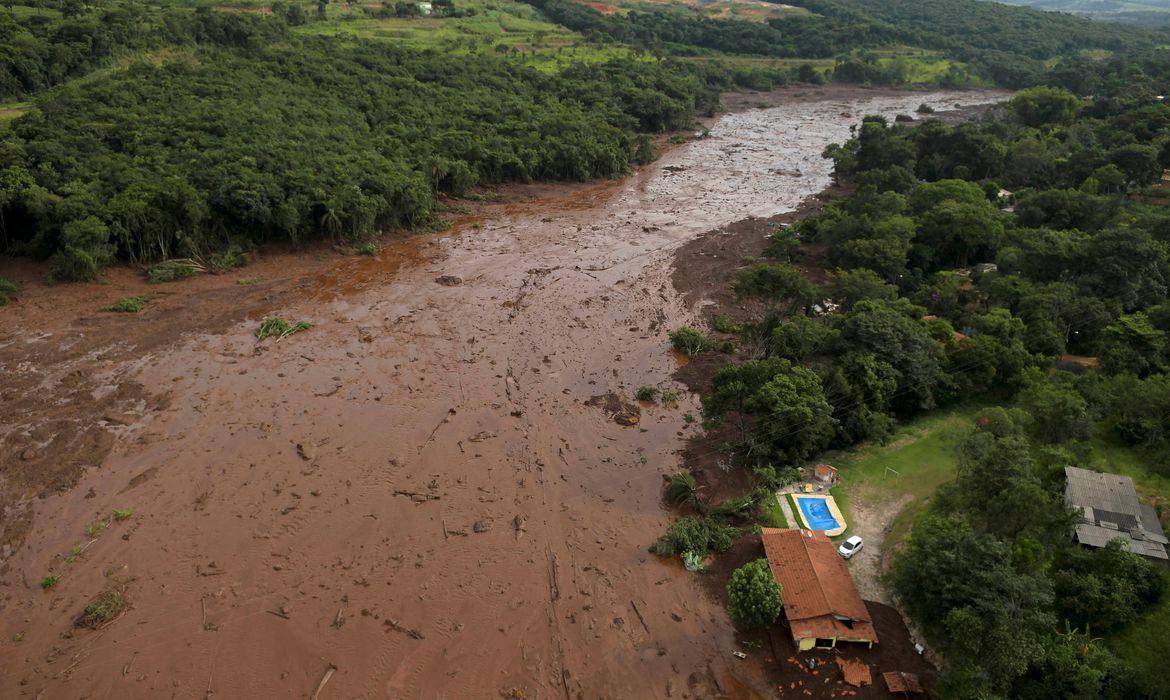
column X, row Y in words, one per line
column 415, row 491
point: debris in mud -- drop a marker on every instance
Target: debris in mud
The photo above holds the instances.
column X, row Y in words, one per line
column 449, row 280
column 787, row 173
column 394, row 625
column 623, row 412
column 305, row 452
column 626, row 419
column 102, row 610
column 416, row 496
column 481, row 436
column 481, row 526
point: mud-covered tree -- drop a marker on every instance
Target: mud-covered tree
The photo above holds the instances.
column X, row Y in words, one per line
column 754, row 594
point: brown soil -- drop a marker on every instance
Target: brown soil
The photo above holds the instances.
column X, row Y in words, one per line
column 414, row 490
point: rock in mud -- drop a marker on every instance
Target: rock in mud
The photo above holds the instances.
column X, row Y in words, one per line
column 481, row 526
column 449, row 280
column 903, row 118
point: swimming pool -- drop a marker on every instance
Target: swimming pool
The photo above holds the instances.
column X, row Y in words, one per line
column 820, row 513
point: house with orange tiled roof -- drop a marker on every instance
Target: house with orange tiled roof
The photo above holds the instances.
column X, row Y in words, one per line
column 821, row 602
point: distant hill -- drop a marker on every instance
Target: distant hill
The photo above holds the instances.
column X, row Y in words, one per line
column 1136, row 11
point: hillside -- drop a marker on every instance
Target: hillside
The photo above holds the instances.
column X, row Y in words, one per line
column 126, row 140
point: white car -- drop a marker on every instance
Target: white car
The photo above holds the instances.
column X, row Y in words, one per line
column 850, row 547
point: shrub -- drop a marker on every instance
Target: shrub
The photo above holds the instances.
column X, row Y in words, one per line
column 85, row 248
column 765, row 475
column 49, row 581
column 725, row 324
column 646, row 393
column 279, row 328
column 366, row 249
column 925, row 109
column 734, row 507
column 683, row 488
column 7, row 291
column 102, row 610
column 229, row 259
column 122, row 513
column 129, row 305
column 698, row 535
column 689, row 341
column 754, row 594
column 171, row 270
column 669, row 396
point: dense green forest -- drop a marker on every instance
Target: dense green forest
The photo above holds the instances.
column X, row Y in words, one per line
column 1022, row 260
column 136, row 141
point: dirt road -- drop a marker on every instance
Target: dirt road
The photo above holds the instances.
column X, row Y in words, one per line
column 414, row 491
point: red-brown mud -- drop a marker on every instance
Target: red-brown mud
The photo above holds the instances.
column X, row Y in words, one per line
column 414, row 491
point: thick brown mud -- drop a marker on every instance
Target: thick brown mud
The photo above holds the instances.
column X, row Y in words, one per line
column 417, row 491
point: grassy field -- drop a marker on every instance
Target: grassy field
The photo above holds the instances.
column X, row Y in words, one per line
column 10, row 111
column 919, row 459
column 747, row 10
column 1111, row 456
column 501, row 27
column 771, row 513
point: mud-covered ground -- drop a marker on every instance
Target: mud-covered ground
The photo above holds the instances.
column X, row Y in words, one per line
column 417, row 492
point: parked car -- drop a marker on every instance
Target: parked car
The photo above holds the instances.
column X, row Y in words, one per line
column 850, row 547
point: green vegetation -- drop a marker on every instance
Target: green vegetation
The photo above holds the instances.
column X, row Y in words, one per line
column 754, row 595
column 121, row 514
column 689, row 341
column 8, row 291
column 1143, row 641
column 646, row 393
column 1008, row 342
column 725, row 324
column 669, row 396
column 698, row 535
column 103, row 610
column 172, row 270
column 279, row 328
column 248, row 281
column 366, row 249
column 130, row 305
column 683, row 489
column 771, row 514
column 96, row 528
column 128, row 143
column 49, row 581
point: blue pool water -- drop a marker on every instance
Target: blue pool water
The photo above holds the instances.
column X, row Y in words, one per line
column 817, row 514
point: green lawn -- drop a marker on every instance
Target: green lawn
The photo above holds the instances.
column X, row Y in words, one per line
column 771, row 515
column 915, row 462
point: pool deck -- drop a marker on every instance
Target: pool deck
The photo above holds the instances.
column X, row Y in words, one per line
column 830, row 503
